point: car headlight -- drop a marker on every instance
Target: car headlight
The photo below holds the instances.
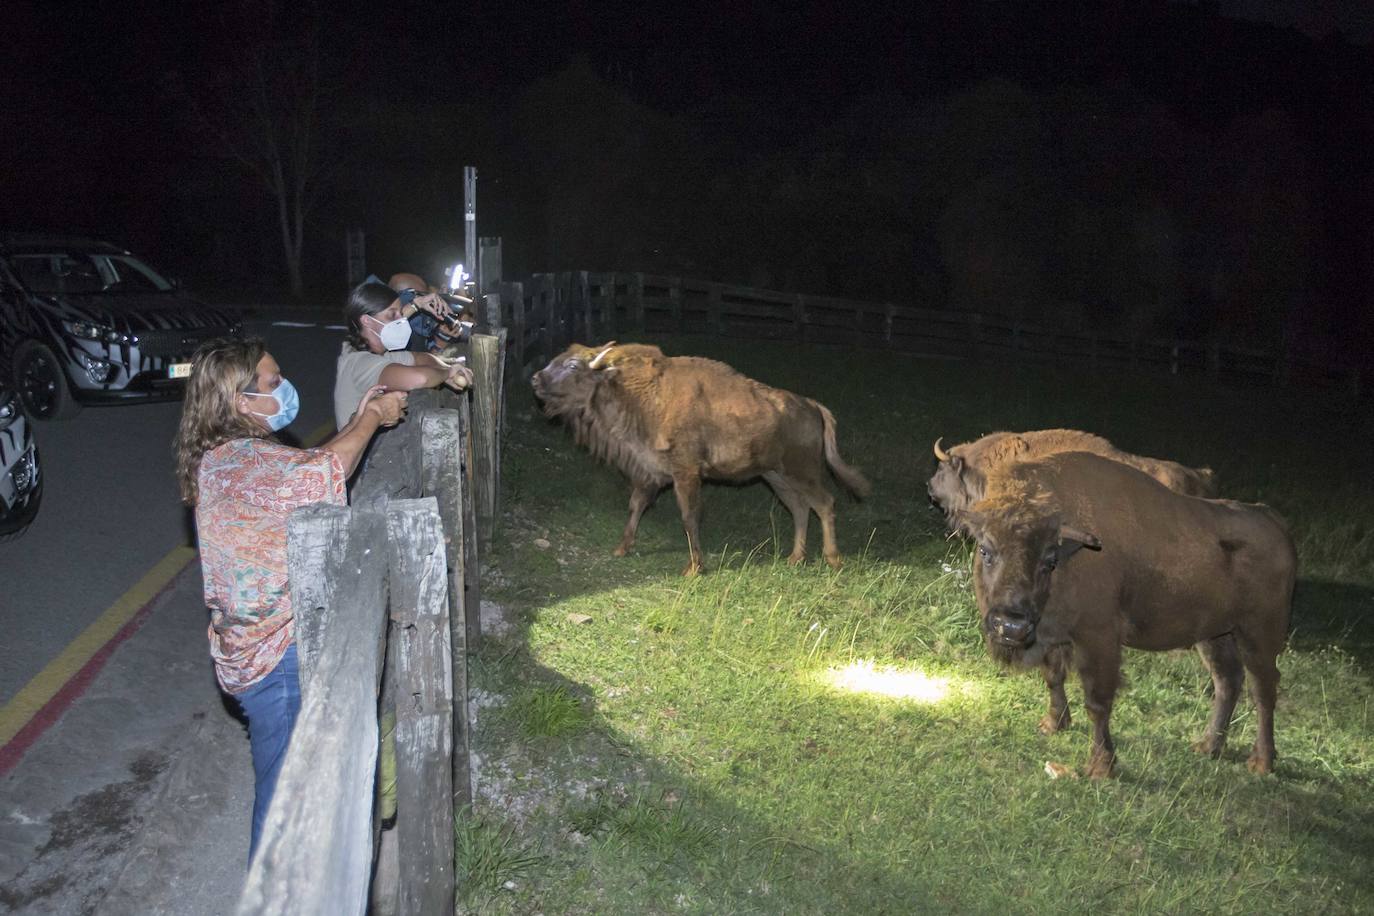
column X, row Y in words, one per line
column 97, row 369
column 89, row 330
column 9, row 410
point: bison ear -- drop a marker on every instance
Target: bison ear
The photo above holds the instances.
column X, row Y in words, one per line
column 1071, row 540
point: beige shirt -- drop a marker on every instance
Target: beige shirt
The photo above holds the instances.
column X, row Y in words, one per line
column 358, row 371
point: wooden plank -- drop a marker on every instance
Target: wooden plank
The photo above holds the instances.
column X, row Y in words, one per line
column 502, row 342
column 443, row 475
column 756, row 310
column 424, row 711
column 486, row 404
column 315, row 853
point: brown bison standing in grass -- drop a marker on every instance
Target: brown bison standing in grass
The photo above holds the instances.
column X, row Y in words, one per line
column 681, row 419
column 1161, row 571
column 963, row 471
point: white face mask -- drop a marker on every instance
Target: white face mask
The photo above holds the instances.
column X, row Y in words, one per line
column 394, row 335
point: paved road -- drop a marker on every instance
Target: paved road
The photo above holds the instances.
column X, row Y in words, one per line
column 110, row 506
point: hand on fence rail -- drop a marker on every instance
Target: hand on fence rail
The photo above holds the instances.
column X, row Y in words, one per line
column 389, row 406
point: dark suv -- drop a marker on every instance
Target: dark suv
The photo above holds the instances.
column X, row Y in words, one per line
column 87, row 322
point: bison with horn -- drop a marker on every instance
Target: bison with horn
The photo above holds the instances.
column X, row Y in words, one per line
column 1160, row 571
column 680, row 420
column 963, row 471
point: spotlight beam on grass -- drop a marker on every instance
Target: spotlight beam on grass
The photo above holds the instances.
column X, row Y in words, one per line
column 912, row 684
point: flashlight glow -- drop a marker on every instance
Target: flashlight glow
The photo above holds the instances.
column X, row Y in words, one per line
column 912, row 684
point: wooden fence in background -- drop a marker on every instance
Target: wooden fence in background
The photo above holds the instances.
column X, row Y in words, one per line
column 546, row 312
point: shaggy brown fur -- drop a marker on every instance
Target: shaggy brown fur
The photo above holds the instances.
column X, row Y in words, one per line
column 681, row 419
column 1163, row 571
column 961, row 477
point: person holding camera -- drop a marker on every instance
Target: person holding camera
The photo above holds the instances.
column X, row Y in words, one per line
column 375, row 350
column 439, row 319
column 243, row 484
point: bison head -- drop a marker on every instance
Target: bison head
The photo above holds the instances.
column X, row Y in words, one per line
column 956, row 485
column 1019, row 548
column 566, row 384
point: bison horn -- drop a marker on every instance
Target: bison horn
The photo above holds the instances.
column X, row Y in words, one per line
column 939, row 452
column 596, row 360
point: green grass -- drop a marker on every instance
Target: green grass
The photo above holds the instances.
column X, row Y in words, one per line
column 690, row 749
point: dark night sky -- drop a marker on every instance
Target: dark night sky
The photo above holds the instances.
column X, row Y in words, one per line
column 97, row 141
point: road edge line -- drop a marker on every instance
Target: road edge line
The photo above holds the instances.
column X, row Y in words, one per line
column 48, row 693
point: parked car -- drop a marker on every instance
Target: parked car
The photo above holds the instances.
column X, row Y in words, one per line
column 21, row 483
column 87, row 322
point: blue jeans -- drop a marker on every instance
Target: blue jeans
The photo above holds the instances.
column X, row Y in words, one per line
column 271, row 706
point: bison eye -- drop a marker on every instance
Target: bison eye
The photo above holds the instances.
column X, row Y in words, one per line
column 573, row 363
column 1050, row 563
column 986, row 555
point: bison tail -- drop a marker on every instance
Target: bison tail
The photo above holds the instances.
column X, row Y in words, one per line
column 853, row 481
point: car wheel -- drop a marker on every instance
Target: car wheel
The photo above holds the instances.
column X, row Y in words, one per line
column 14, row 528
column 43, row 387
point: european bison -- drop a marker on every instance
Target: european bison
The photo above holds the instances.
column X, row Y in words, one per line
column 1161, row 571
column 963, row 470
column 679, row 419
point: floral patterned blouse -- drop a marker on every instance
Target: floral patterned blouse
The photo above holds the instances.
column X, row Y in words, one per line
column 247, row 489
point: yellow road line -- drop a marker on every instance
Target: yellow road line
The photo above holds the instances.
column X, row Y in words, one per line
column 45, row 684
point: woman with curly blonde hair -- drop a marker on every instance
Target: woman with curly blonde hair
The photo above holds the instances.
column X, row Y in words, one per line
column 243, row 484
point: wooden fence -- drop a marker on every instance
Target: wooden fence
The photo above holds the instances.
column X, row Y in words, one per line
column 546, row 312
column 386, row 599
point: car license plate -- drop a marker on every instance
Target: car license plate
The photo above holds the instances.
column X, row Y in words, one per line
column 179, row 370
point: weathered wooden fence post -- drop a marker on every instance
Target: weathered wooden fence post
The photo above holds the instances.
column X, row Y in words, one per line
column 515, row 293
column 608, row 301
column 424, row 707
column 584, row 303
column 637, row 301
column 675, row 304
column 315, row 853
column 714, row 319
column 547, row 316
column 444, row 480
column 487, row 361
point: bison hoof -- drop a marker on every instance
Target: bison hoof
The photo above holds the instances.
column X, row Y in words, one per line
column 835, row 560
column 620, row 551
column 1050, row 723
column 1260, row 764
column 692, row 570
column 796, row 558
column 1101, row 768
column 1212, row 747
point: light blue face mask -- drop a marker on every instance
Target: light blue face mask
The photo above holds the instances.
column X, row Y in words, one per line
column 288, row 405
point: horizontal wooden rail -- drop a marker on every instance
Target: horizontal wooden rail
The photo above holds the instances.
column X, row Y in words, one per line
column 549, row 311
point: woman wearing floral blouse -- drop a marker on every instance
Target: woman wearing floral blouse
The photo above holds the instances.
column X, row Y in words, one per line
column 243, row 484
